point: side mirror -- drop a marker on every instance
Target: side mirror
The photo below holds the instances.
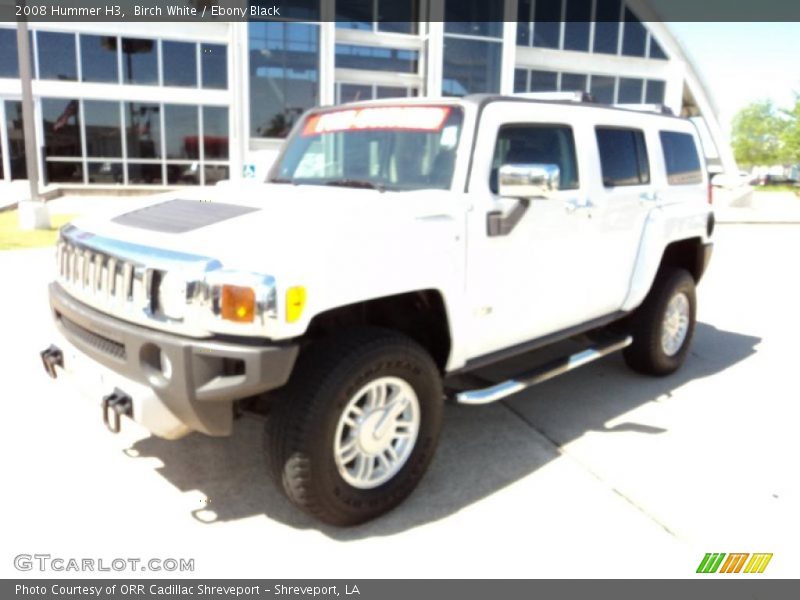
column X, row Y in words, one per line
column 528, row 180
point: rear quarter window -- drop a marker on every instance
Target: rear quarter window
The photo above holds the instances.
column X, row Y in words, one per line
column 681, row 158
column 623, row 156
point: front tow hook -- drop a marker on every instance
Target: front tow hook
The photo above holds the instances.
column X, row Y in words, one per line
column 116, row 404
column 52, row 357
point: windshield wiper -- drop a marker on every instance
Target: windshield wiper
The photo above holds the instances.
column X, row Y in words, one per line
column 281, row 180
column 356, row 183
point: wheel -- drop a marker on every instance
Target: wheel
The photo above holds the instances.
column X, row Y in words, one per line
column 353, row 432
column 663, row 326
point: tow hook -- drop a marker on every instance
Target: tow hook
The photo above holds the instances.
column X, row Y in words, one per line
column 116, row 404
column 52, row 357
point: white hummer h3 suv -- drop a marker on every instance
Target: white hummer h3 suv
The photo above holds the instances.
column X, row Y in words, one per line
column 396, row 248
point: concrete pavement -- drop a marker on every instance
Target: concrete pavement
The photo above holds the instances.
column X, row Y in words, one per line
column 599, row 473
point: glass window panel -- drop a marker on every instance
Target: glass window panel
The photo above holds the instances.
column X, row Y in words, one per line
column 544, row 81
column 16, row 140
column 470, row 66
column 634, row 37
column 56, row 55
column 354, row 14
column 386, row 91
column 61, row 126
column 655, row 91
column 623, row 158
column 576, row 28
column 63, row 172
column 656, row 51
column 105, row 172
column 474, row 17
column 537, row 144
column 524, row 17
column 214, row 61
column 103, row 133
column 99, row 58
column 606, row 27
column 140, row 61
column 630, row 91
column 398, row 16
column 179, row 63
column 284, row 74
column 520, row 80
column 215, row 132
column 147, row 173
column 9, row 64
column 573, row 82
column 376, row 59
column 350, row 92
column 143, row 129
column 547, row 24
column 602, row 89
column 215, row 173
column 183, row 174
column 681, row 157
column 182, row 131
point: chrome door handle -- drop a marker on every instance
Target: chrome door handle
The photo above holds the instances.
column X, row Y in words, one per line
column 573, row 204
column 648, row 196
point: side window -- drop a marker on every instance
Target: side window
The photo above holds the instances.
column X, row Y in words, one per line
column 623, row 156
column 681, row 158
column 539, row 144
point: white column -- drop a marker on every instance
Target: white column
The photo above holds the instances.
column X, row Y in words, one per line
column 509, row 47
column 434, row 49
column 239, row 83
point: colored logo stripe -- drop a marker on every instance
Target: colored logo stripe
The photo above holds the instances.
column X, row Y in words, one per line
column 758, row 563
column 733, row 564
column 710, row 563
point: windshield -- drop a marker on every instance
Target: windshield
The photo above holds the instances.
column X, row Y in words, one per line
column 383, row 147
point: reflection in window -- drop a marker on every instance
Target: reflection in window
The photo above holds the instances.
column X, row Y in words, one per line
column 103, row 133
column 376, row 59
column 474, row 17
column 215, row 173
column 183, row 174
column 214, row 61
column 655, row 91
column 350, row 92
column 140, row 61
column 390, row 91
column 680, row 155
column 215, row 132
column 396, row 16
column 105, row 172
column 606, row 27
column 61, row 126
column 149, row 173
column 573, row 82
column 182, row 131
column 9, row 64
column 630, row 91
column 179, row 63
column 99, row 58
column 284, row 74
column 623, row 156
column 63, row 172
column 470, row 66
column 547, row 24
column 56, row 55
column 656, row 51
column 16, row 139
column 635, row 36
column 143, row 129
column 602, row 89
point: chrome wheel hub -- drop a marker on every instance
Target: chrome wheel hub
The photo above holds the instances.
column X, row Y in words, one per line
column 376, row 432
column 675, row 325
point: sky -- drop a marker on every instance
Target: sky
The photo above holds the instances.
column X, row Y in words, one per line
column 744, row 62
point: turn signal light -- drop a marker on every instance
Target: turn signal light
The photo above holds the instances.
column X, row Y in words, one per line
column 238, row 304
column 295, row 302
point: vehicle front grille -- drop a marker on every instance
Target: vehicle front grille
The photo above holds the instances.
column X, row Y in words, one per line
column 99, row 342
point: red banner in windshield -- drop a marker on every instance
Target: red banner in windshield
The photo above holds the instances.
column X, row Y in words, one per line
column 401, row 118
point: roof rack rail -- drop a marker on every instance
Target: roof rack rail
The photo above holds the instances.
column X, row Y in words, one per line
column 660, row 109
column 563, row 96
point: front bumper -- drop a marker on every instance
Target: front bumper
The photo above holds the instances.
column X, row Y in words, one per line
column 188, row 382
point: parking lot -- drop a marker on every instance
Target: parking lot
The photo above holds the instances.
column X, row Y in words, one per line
column 599, row 473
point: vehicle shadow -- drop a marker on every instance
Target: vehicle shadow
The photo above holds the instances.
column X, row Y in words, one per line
column 482, row 450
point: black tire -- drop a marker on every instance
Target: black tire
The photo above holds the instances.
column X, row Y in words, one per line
column 302, row 424
column 646, row 354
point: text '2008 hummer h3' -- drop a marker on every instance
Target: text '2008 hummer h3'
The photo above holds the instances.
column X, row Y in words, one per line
column 396, row 249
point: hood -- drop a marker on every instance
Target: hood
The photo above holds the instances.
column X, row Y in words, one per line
column 277, row 227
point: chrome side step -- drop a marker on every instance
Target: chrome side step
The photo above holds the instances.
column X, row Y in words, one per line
column 547, row 371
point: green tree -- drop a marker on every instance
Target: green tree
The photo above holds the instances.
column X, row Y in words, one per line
column 756, row 135
column 790, row 135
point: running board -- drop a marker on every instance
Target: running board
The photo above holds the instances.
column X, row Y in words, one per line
column 547, row 371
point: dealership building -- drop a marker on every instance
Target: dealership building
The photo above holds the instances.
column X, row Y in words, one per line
column 162, row 104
